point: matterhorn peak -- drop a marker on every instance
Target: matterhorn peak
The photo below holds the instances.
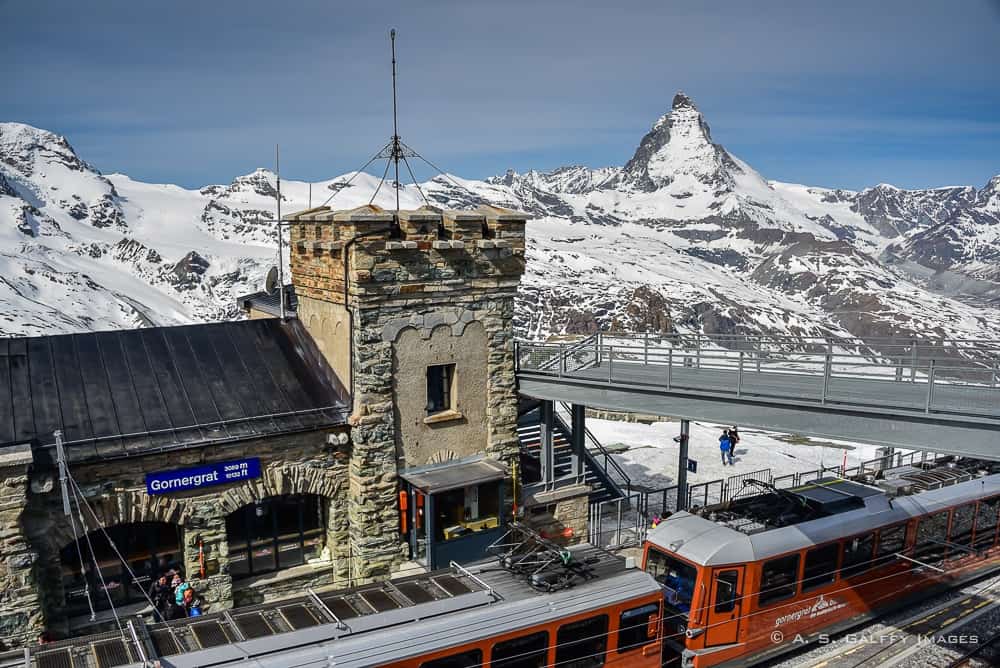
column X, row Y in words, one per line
column 679, row 145
column 682, row 100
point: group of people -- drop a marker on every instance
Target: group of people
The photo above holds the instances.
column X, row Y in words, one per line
column 727, row 444
column 173, row 597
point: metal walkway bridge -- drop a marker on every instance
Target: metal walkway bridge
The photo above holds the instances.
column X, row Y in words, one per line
column 940, row 395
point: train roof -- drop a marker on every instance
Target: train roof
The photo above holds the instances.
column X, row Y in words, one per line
column 702, row 540
column 468, row 604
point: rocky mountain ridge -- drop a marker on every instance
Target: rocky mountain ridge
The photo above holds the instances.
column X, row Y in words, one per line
column 683, row 236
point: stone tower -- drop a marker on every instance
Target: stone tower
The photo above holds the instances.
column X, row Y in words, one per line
column 414, row 312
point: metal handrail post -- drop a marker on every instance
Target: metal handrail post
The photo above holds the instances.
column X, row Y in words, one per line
column 645, row 348
column 930, row 388
column 739, row 377
column 562, row 359
column 913, row 360
column 827, row 371
column 670, row 363
column 611, row 362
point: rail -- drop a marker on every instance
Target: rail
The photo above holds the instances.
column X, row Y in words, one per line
column 956, row 377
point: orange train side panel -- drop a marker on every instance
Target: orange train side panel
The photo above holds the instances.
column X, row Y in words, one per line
column 646, row 656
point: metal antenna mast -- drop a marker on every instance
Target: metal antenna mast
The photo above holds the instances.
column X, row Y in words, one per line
column 281, row 259
column 397, row 150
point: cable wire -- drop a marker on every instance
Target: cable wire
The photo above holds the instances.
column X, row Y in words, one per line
column 97, row 566
column 114, row 547
column 354, row 176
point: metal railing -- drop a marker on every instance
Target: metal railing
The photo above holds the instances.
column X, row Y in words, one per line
column 949, row 377
column 599, row 456
column 624, row 522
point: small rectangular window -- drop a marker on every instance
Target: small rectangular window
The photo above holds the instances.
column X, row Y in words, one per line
column 962, row 520
column 779, row 579
column 821, row 566
column 932, row 532
column 986, row 523
column 633, row 627
column 440, row 379
column 582, row 644
column 725, row 591
column 470, row 659
column 858, row 552
column 524, row 652
column 891, row 541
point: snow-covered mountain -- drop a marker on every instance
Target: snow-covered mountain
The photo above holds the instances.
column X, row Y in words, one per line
column 683, row 236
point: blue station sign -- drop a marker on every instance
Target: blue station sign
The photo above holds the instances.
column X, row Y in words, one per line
column 183, row 480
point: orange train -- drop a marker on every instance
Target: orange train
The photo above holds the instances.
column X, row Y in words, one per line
column 536, row 605
column 756, row 577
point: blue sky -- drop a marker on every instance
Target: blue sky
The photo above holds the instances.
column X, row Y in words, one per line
column 841, row 94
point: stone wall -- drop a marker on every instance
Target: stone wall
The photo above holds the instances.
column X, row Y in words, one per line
column 21, row 619
column 305, row 463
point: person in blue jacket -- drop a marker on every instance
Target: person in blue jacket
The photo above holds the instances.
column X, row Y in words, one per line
column 726, row 446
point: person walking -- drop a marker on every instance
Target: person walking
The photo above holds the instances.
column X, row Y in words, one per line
column 726, row 446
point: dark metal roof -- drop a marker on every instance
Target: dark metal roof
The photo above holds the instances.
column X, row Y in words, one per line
column 127, row 392
column 452, row 475
column 270, row 303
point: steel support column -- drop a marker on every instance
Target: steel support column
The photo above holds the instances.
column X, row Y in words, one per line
column 682, row 464
column 546, row 449
column 578, row 419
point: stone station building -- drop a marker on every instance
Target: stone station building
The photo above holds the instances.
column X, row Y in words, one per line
column 373, row 426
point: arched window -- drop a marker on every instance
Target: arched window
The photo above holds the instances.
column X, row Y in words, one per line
column 275, row 533
column 150, row 548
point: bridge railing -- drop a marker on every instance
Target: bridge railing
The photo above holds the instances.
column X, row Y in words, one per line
column 964, row 379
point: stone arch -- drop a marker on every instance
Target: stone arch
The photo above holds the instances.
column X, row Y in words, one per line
column 125, row 507
column 279, row 480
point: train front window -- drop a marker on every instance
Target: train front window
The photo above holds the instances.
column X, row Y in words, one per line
column 676, row 577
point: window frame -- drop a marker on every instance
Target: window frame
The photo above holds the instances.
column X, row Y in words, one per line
column 734, row 595
column 814, row 582
column 442, row 398
column 305, row 543
column 955, row 540
column 590, row 659
column 935, row 549
column 850, row 570
column 475, row 655
column 883, row 557
column 523, row 655
column 762, row 590
column 630, row 627
column 977, row 543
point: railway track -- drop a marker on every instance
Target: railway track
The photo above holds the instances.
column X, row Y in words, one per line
column 984, row 653
column 922, row 633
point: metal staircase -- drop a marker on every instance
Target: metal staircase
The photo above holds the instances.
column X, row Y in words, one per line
column 603, row 473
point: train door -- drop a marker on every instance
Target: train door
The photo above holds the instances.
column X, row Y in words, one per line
column 725, row 606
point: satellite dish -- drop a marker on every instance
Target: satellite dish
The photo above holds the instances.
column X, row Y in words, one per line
column 271, row 282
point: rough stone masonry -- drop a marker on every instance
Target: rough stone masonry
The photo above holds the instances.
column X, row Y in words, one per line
column 387, row 294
